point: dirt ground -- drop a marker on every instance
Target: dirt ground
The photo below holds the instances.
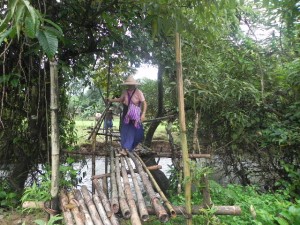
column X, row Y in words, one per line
column 16, row 217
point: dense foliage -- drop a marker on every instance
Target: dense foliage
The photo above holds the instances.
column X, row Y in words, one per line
column 240, row 66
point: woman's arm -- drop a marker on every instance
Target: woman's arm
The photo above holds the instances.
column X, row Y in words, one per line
column 144, row 110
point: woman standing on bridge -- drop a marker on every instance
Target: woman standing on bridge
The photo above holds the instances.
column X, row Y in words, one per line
column 134, row 111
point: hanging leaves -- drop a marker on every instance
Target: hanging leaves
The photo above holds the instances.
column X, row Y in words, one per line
column 22, row 18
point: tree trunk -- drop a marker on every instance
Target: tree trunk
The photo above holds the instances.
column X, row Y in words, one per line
column 159, row 176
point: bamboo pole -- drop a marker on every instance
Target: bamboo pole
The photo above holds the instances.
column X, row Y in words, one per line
column 184, row 147
column 105, row 203
column 135, row 219
column 90, row 205
column 66, row 212
column 159, row 209
column 157, row 154
column 54, row 134
column 94, row 136
column 101, row 210
column 122, row 199
column 113, row 182
column 198, row 210
column 151, row 168
column 103, row 197
column 74, row 210
column 83, row 208
column 161, row 193
column 140, row 199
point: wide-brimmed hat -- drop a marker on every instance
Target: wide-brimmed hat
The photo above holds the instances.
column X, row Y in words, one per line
column 130, row 81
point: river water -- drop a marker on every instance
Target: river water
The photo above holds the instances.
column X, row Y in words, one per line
column 85, row 170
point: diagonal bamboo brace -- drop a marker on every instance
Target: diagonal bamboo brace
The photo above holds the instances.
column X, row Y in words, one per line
column 164, row 198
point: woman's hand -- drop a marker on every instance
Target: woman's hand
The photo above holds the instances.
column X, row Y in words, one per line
column 143, row 117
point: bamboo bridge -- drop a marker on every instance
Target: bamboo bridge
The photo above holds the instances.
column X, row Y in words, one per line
column 128, row 191
column 125, row 198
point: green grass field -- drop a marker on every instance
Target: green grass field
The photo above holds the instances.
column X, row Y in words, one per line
column 84, row 126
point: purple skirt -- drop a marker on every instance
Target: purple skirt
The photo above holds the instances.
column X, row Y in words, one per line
column 131, row 136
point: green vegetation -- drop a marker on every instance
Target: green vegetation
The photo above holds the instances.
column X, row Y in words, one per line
column 243, row 85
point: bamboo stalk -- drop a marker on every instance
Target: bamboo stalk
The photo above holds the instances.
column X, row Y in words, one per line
column 103, row 197
column 104, row 185
column 54, row 134
column 113, row 182
column 122, row 199
column 140, row 199
column 101, row 210
column 151, row 168
column 183, row 138
column 205, row 192
column 74, row 210
column 159, row 209
column 91, row 206
column 66, row 212
column 135, row 219
column 158, row 154
column 88, row 220
column 94, row 136
column 105, row 203
column 161, row 193
column 198, row 210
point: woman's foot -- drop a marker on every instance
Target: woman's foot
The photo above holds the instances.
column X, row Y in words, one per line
column 123, row 152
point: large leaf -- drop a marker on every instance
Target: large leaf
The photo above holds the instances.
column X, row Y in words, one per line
column 31, row 10
column 18, row 18
column 5, row 34
column 12, row 5
column 54, row 25
column 48, row 41
column 29, row 27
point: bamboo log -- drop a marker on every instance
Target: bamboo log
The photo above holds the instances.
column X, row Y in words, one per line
column 66, row 212
column 135, row 219
column 91, row 206
column 161, row 193
column 74, row 210
column 183, row 138
column 113, row 182
column 140, row 199
column 205, row 192
column 159, row 209
column 158, row 154
column 33, row 205
column 151, row 168
column 88, row 220
column 105, row 203
column 104, row 185
column 55, row 145
column 103, row 197
column 198, row 210
column 101, row 210
column 122, row 200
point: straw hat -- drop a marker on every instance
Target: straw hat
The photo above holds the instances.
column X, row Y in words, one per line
column 130, row 81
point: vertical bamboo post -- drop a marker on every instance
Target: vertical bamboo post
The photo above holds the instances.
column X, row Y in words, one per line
column 94, row 157
column 54, row 134
column 185, row 154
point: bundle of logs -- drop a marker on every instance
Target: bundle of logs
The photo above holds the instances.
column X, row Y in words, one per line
column 125, row 198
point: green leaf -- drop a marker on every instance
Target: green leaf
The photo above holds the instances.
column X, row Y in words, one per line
column 282, row 221
column 30, row 9
column 18, row 16
column 29, row 27
column 12, row 4
column 48, row 41
column 5, row 34
column 54, row 25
